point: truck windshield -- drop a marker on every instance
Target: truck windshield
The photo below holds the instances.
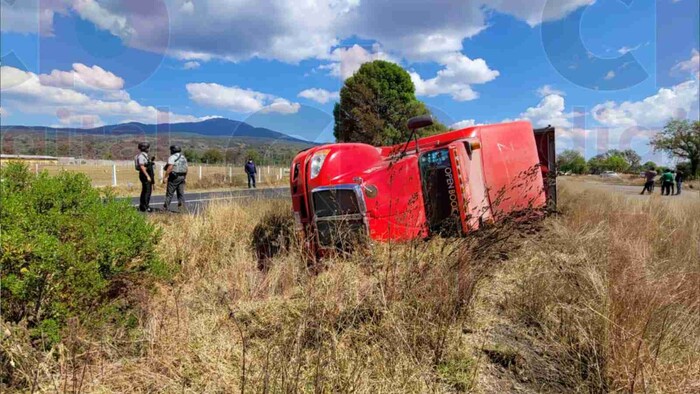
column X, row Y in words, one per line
column 439, row 192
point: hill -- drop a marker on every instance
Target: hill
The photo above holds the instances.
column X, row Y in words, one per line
column 235, row 139
column 215, row 127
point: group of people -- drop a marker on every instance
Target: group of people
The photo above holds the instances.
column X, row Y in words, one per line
column 175, row 174
column 671, row 182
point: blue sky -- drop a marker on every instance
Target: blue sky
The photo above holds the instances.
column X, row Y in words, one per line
column 607, row 73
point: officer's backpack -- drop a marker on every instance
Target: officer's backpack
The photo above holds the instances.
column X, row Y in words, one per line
column 180, row 165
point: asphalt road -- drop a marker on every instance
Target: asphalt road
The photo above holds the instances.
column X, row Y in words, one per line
column 196, row 202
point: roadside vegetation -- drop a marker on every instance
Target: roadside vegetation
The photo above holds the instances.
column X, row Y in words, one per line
column 600, row 298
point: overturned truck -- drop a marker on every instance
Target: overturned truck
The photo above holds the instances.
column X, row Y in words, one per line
column 447, row 184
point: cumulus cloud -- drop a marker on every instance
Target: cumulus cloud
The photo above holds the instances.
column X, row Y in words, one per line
column 104, row 18
column 456, row 78
column 25, row 91
column 83, row 77
column 462, row 124
column 691, row 65
column 320, row 96
column 547, row 90
column 348, row 60
column 667, row 103
column 535, row 12
column 610, row 75
column 236, row 99
column 3, row 112
column 550, row 111
column 292, row 31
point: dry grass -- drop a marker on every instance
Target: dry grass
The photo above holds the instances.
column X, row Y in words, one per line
column 602, row 298
column 609, row 300
column 212, row 176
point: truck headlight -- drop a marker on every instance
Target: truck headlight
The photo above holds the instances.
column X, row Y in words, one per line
column 317, row 162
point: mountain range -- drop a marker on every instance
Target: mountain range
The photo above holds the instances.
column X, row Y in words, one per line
column 215, row 127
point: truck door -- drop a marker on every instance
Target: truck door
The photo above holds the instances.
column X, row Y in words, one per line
column 440, row 193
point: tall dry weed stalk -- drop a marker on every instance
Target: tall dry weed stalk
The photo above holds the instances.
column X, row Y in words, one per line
column 615, row 292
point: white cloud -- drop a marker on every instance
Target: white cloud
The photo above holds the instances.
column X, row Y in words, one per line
column 187, row 7
column 668, row 103
column 610, row 75
column 104, row 18
column 348, row 60
column 320, row 96
column 691, row 65
column 30, row 16
column 235, row 99
column 83, row 77
column 462, row 124
column 547, row 90
column 26, row 86
column 191, row 65
column 535, row 12
column 25, row 92
column 456, row 78
column 288, row 30
column 550, row 111
column 4, row 113
column 625, row 50
column 281, row 106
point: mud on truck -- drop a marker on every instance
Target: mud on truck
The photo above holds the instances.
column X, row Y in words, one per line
column 446, row 184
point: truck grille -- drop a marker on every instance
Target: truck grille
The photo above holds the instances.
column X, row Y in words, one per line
column 339, row 216
column 342, row 234
column 335, row 202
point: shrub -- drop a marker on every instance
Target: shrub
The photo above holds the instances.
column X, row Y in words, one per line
column 66, row 250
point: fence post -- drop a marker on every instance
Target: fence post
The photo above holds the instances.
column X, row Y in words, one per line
column 200, row 173
column 114, row 175
column 162, row 173
column 230, row 174
column 36, row 169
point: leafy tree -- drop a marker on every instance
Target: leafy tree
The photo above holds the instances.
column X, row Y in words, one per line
column 212, row 156
column 650, row 165
column 254, row 155
column 375, row 105
column 609, row 161
column 631, row 157
column 616, row 163
column 192, row 155
column 680, row 138
column 572, row 161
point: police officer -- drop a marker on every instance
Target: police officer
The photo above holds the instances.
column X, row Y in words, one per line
column 142, row 164
column 175, row 173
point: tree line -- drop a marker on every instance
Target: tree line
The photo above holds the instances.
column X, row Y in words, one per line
column 679, row 139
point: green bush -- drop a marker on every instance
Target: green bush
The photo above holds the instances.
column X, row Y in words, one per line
column 66, row 249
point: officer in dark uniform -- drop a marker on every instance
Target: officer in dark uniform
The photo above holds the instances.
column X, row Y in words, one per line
column 142, row 165
column 175, row 173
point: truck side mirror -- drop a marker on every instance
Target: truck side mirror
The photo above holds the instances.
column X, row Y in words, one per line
column 418, row 122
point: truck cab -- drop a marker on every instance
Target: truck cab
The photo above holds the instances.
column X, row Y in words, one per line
column 448, row 184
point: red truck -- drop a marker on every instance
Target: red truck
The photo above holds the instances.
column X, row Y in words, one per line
column 448, row 184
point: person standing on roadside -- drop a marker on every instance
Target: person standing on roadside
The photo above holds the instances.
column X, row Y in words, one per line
column 649, row 184
column 175, row 173
column 679, row 181
column 666, row 182
column 250, row 170
column 142, row 164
